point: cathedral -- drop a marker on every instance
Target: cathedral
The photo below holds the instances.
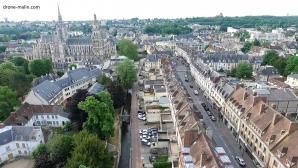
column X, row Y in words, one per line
column 65, row 49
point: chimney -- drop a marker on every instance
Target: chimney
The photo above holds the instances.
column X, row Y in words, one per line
column 276, row 118
column 255, row 93
column 245, row 95
column 239, row 86
column 257, row 99
column 274, row 106
column 293, row 127
column 204, row 158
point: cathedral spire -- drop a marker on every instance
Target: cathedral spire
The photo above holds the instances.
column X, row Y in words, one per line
column 59, row 15
column 95, row 23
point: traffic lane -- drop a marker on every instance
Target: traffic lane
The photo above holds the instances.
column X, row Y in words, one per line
column 217, row 137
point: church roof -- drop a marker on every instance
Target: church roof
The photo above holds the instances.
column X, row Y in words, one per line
column 81, row 40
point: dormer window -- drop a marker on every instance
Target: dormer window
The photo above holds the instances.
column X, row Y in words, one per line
column 282, row 132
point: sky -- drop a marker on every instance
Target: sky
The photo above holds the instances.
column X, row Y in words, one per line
column 125, row 9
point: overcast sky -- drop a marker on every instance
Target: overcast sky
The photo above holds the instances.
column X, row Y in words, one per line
column 124, row 9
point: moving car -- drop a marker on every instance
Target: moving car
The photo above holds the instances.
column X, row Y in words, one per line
column 196, row 92
column 240, row 161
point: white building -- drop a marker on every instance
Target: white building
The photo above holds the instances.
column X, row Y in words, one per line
column 19, row 141
column 56, row 92
column 38, row 115
column 292, row 80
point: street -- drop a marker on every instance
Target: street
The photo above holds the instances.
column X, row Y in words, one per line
column 221, row 134
column 135, row 143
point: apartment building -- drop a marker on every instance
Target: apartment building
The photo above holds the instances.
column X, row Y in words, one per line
column 18, row 141
column 56, row 92
column 38, row 115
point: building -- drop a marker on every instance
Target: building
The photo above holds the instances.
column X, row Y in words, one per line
column 285, row 100
column 56, row 92
column 223, row 60
column 64, row 48
column 38, row 115
column 292, row 80
column 266, row 72
column 152, row 62
column 18, row 141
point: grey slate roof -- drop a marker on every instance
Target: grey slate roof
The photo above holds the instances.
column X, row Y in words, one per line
column 96, row 88
column 295, row 76
column 5, row 137
column 82, row 40
column 48, row 90
column 153, row 58
column 228, row 57
column 269, row 70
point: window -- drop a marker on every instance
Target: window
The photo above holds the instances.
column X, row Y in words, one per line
column 8, row 148
column 18, row 145
column 274, row 163
column 20, row 152
column 42, row 117
column 264, row 150
column 52, row 116
column 25, row 152
column 56, row 116
column 36, row 116
column 48, row 116
column 256, row 141
column 23, row 145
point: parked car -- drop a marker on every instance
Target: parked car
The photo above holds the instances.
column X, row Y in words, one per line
column 152, row 158
column 212, row 118
column 196, row 92
column 186, row 79
column 240, row 161
column 204, row 105
column 190, row 86
column 209, row 113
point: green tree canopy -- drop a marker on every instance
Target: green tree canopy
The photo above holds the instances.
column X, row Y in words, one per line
column 55, row 152
column 41, row 67
column 8, row 100
column 20, row 62
column 127, row 48
column 292, row 65
column 126, row 74
column 269, row 57
column 246, row 48
column 59, row 148
column 89, row 151
column 244, row 70
column 2, row 48
column 256, row 42
column 242, row 34
column 100, row 118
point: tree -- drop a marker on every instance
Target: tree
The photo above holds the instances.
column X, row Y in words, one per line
column 40, row 150
column 292, row 65
column 77, row 116
column 2, row 48
column 126, row 74
column 89, row 151
column 117, row 93
column 59, row 148
column 43, row 161
column 8, row 100
column 100, row 115
column 127, row 48
column 256, row 42
column 280, row 64
column 104, row 80
column 246, row 48
column 269, row 57
column 20, row 83
column 242, row 34
column 60, row 73
column 244, row 70
column 41, row 67
column 20, row 62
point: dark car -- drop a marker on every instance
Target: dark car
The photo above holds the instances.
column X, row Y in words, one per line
column 204, row 105
column 190, row 86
